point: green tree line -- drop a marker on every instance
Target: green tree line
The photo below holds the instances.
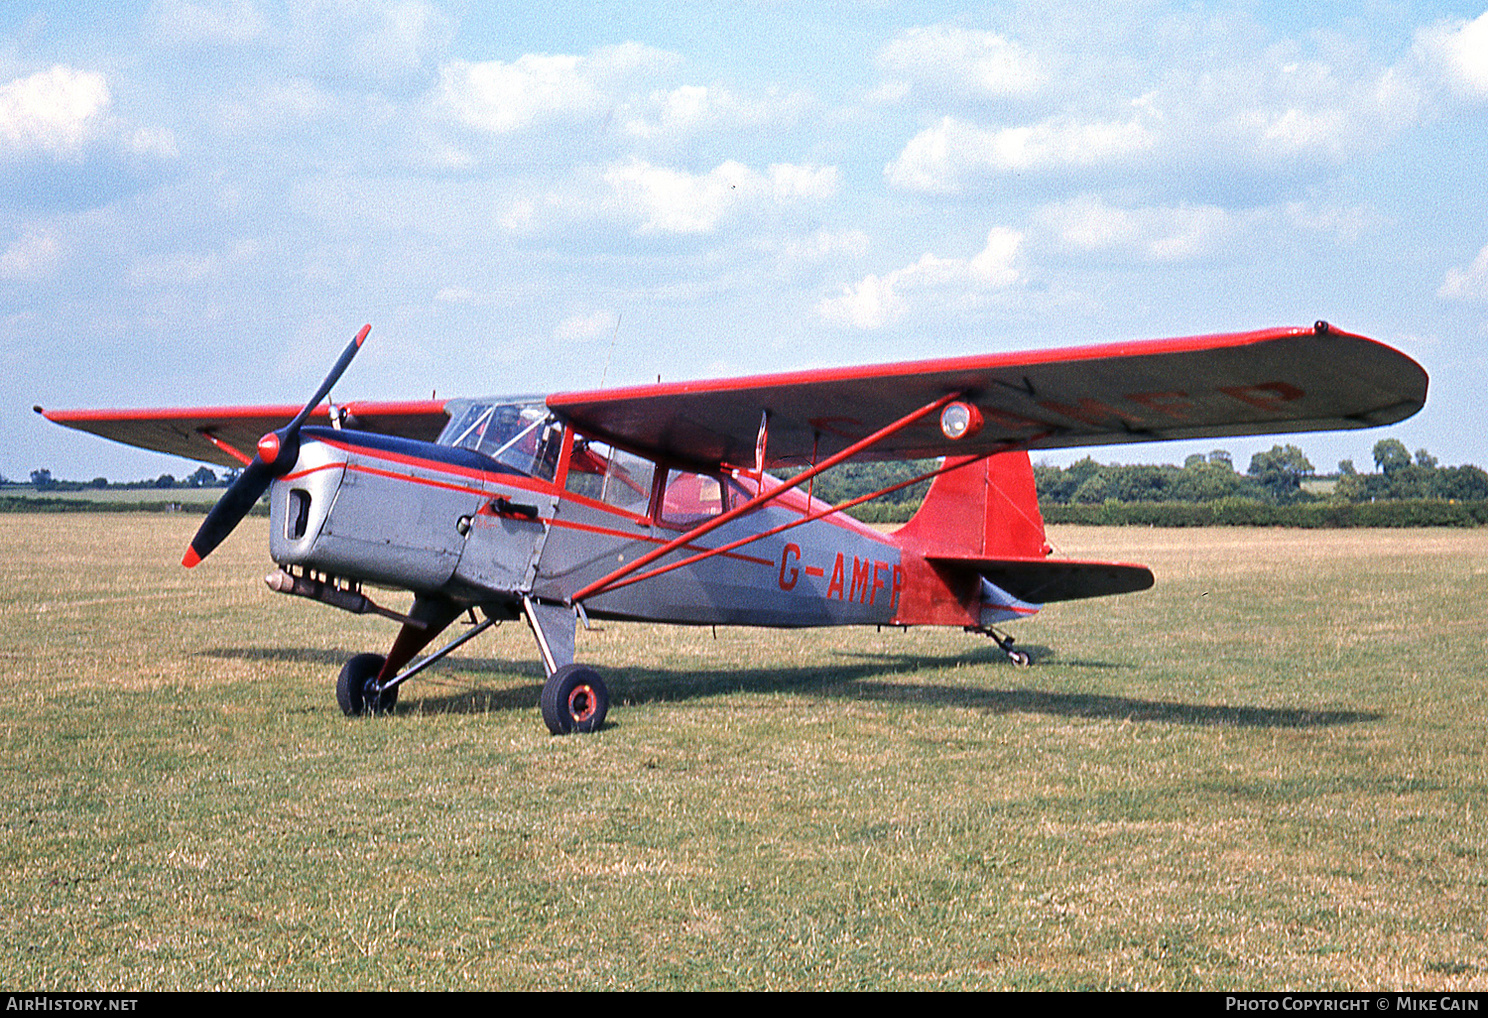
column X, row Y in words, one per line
column 202, row 477
column 1274, row 477
column 1405, row 489
column 1279, row 487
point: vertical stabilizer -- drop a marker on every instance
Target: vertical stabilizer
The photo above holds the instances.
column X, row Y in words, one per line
column 983, row 508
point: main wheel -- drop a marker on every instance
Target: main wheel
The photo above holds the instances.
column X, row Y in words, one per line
column 355, row 687
column 574, row 699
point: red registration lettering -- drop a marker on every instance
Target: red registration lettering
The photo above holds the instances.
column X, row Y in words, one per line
column 1171, row 404
column 1089, row 411
column 789, row 574
column 859, row 589
column 834, row 588
column 1266, row 396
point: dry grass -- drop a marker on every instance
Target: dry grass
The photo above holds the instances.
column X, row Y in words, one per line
column 1267, row 773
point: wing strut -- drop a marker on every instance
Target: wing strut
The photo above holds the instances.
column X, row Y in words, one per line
column 612, row 579
column 247, row 461
column 810, row 517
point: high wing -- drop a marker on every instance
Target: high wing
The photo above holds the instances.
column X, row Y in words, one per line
column 1254, row 383
column 202, row 433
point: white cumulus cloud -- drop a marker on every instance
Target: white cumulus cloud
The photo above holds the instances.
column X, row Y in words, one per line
column 679, row 113
column 1088, row 224
column 876, row 301
column 1470, row 284
column 502, row 97
column 1285, row 104
column 1458, row 50
column 56, row 112
column 948, row 156
column 668, row 200
column 960, row 60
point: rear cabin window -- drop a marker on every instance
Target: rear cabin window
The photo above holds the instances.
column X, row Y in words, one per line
column 688, row 499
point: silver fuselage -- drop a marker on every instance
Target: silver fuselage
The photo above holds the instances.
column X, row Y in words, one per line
column 453, row 522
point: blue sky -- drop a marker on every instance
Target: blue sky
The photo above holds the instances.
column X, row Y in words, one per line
column 203, row 199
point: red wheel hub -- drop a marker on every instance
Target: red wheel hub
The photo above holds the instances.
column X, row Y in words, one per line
column 581, row 703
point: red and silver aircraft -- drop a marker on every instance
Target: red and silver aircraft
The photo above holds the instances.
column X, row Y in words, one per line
column 655, row 502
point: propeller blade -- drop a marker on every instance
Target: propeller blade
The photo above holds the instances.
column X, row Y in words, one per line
column 229, row 511
column 342, row 363
column 277, row 452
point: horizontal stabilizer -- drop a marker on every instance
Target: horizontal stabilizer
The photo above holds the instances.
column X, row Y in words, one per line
column 1043, row 581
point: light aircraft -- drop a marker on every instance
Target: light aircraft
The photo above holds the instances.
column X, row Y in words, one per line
column 655, row 502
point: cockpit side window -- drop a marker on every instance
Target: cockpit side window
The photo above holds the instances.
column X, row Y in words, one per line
column 610, row 475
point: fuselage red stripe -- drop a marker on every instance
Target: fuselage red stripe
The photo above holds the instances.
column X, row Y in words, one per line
column 589, row 528
column 539, row 487
column 436, row 467
column 449, row 486
column 394, row 475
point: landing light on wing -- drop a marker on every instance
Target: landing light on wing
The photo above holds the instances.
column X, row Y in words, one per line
column 960, row 420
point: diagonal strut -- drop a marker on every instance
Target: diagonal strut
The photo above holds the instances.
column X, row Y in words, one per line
column 611, row 580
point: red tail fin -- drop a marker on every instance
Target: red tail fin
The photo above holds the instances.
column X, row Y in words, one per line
column 983, row 509
column 980, row 524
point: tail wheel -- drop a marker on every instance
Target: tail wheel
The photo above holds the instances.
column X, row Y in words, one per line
column 574, row 699
column 356, row 687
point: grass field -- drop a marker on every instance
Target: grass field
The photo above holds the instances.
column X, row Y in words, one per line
column 1267, row 773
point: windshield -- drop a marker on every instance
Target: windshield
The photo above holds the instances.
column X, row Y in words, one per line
column 517, row 432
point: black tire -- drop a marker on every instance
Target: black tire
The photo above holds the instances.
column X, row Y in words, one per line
column 574, row 699
column 352, row 692
column 1020, row 658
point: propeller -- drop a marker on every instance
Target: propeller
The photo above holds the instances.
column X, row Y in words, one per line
column 277, row 453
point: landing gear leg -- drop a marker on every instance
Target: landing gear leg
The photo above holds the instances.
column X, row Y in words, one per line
column 1019, row 658
column 574, row 698
column 367, row 683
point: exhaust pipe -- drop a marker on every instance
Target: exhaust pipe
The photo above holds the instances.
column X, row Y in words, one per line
column 353, row 601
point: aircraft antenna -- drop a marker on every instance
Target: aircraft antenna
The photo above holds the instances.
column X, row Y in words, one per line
column 609, row 356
